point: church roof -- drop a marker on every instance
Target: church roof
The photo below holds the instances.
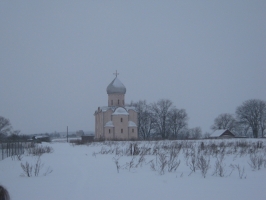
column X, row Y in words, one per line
column 130, row 108
column 113, row 108
column 131, row 124
column 120, row 111
column 109, row 124
column 116, row 87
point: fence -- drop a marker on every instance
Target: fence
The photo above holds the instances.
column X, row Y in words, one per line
column 11, row 148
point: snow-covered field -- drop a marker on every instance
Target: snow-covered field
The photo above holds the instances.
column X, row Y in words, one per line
column 110, row 171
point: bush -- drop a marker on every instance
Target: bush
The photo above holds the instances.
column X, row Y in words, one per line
column 35, row 168
column 256, row 161
column 37, row 150
column 203, row 164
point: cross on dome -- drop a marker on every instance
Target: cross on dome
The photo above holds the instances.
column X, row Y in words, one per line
column 116, row 73
column 116, row 86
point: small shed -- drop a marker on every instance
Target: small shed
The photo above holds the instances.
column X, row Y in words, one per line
column 87, row 138
column 40, row 139
column 222, row 133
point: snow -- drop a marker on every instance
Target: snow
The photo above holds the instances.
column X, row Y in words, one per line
column 130, row 108
column 131, row 124
column 40, row 137
column 116, row 86
column 81, row 172
column 105, row 108
column 120, row 111
column 117, row 83
column 217, row 133
column 109, row 124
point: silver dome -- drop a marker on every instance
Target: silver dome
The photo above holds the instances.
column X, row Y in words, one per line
column 116, row 87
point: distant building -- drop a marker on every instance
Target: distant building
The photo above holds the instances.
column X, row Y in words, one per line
column 40, row 139
column 87, row 138
column 222, row 133
column 116, row 121
column 79, row 133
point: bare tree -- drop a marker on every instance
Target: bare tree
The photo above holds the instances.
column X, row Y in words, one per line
column 251, row 113
column 146, row 120
column 195, row 133
column 177, row 121
column 224, row 121
column 5, row 126
column 206, row 135
column 161, row 110
column 184, row 134
column 159, row 119
column 243, row 130
column 263, row 123
column 14, row 135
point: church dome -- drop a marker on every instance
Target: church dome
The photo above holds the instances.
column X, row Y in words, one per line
column 116, row 87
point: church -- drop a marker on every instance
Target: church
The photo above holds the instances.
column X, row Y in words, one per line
column 116, row 121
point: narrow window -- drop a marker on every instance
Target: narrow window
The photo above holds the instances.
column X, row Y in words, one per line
column 121, row 130
column 109, row 130
column 121, row 119
column 111, row 102
column 132, row 130
column 118, row 101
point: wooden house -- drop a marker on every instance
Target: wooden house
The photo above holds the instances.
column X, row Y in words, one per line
column 222, row 133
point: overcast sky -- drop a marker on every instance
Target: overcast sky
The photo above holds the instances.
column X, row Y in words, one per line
column 58, row 57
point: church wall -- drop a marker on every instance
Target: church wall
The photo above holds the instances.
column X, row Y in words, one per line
column 133, row 116
column 96, row 127
column 133, row 134
column 107, row 116
column 101, row 118
column 118, row 125
column 99, row 125
column 109, row 134
column 115, row 98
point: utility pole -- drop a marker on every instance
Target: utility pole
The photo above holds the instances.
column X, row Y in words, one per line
column 67, row 134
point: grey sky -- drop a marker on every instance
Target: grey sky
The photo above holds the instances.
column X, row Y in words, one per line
column 58, row 57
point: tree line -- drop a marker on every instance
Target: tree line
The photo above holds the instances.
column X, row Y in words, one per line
column 163, row 120
column 8, row 134
column 249, row 119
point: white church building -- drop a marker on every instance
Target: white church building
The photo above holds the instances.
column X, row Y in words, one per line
column 116, row 121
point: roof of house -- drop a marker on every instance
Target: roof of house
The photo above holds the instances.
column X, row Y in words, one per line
column 218, row 133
